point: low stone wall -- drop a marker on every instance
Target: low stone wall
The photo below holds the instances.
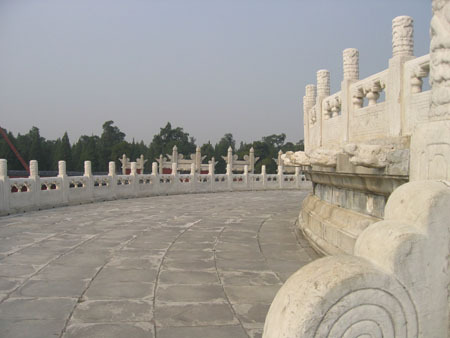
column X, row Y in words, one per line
column 34, row 192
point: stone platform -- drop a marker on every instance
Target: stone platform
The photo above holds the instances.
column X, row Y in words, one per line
column 204, row 265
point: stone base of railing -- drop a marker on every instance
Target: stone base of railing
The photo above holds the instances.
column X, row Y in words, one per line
column 395, row 284
column 342, row 205
column 330, row 229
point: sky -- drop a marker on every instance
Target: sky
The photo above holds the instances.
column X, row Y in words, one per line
column 209, row 66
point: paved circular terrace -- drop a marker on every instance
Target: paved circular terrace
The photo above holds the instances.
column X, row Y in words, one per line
column 205, row 265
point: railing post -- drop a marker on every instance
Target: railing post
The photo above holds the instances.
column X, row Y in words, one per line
column 211, row 174
column 133, row 178
column 193, row 177
column 229, row 177
column 297, row 177
column 155, row 168
column 174, row 168
column 198, row 159
column 350, row 58
column 230, row 157
column 161, row 164
column 112, row 174
column 323, row 90
column 402, row 51
column 263, row 174
column 124, row 164
column 155, row 180
column 89, row 179
column 175, row 181
column 62, row 174
column 280, row 176
column 36, row 183
column 308, row 103
column 247, row 186
column 252, row 160
column 5, row 187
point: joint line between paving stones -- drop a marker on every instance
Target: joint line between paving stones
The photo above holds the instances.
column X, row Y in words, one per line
column 159, row 270
column 80, row 299
column 221, row 283
column 260, row 247
column 45, row 265
column 29, row 245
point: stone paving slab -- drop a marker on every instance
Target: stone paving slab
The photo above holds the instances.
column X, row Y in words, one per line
column 203, row 265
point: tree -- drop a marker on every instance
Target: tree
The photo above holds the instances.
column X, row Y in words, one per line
column 275, row 140
column 85, row 150
column 111, row 136
column 289, row 146
column 63, row 151
column 208, row 150
column 221, row 149
column 167, row 138
column 35, row 144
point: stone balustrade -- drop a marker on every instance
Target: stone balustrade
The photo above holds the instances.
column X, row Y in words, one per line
column 357, row 141
column 380, row 106
column 34, row 192
column 380, row 205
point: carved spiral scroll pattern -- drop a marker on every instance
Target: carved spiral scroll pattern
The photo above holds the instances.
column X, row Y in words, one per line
column 402, row 36
column 439, row 59
column 367, row 312
column 342, row 296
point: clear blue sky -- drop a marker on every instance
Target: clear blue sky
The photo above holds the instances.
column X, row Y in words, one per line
column 209, row 66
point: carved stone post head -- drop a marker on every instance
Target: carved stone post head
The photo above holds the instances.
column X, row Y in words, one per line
column 351, row 64
column 112, row 168
column 402, row 36
column 192, row 168
column 87, row 168
column 3, row 168
column 62, row 168
column 323, row 83
column 263, row 169
column 34, row 170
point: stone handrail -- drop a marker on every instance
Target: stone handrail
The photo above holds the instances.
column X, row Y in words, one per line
column 394, row 281
column 34, row 192
column 355, row 114
column 391, row 287
column 369, row 88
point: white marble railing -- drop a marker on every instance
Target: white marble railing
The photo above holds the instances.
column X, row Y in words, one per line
column 395, row 282
column 388, row 104
column 34, row 192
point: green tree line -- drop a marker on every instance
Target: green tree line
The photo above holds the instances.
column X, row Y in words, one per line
column 111, row 144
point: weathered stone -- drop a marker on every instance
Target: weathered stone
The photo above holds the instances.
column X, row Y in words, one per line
column 110, row 330
column 121, row 272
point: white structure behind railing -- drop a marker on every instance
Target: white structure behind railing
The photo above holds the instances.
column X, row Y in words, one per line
column 34, row 192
